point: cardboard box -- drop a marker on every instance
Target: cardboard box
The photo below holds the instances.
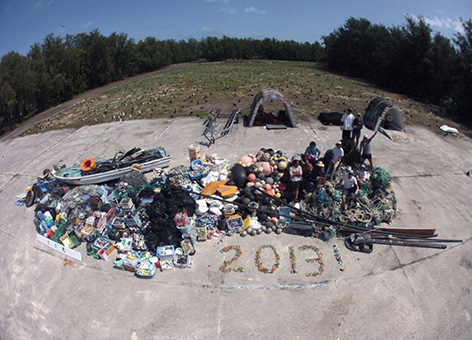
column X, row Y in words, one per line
column 194, row 152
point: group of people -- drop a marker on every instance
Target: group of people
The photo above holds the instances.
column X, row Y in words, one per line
column 352, row 183
column 351, row 134
column 311, row 157
column 315, row 167
column 351, row 127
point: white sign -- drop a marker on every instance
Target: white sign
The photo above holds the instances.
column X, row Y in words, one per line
column 60, row 248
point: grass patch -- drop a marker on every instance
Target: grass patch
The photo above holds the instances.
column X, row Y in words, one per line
column 198, row 88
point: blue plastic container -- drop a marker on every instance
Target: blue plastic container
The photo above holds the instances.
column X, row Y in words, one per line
column 284, row 213
column 197, row 164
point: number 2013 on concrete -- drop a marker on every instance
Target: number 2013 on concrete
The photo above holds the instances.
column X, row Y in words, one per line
column 227, row 265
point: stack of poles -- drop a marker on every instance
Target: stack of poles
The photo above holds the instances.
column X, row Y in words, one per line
column 308, row 218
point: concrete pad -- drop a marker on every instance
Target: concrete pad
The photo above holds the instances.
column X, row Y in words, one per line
column 393, row 293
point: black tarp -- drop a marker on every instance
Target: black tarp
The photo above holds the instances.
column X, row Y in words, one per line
column 330, row 118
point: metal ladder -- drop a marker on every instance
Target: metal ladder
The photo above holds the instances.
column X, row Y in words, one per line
column 212, row 131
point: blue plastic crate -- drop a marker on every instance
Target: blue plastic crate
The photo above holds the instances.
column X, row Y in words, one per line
column 235, row 224
column 165, row 253
column 195, row 175
column 284, row 213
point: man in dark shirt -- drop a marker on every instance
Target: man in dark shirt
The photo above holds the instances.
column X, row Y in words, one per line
column 318, row 173
column 357, row 125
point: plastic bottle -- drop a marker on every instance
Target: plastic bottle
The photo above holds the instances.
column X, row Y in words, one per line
column 40, row 215
column 44, row 226
column 48, row 218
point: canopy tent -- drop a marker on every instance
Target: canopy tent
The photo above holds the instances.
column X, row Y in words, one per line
column 261, row 97
column 383, row 115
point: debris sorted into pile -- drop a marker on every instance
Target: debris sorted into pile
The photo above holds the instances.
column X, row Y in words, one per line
column 155, row 224
column 376, row 202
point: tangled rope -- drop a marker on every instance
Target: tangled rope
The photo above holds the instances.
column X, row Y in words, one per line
column 376, row 202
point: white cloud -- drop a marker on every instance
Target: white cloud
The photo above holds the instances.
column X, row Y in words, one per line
column 224, row 9
column 445, row 23
column 442, row 22
column 223, row 1
column 229, row 10
column 42, row 3
column 207, row 29
column 253, row 9
column 88, row 24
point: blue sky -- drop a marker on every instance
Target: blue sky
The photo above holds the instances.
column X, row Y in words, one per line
column 23, row 22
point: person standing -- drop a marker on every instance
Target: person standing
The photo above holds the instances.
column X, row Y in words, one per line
column 347, row 119
column 338, row 154
column 350, row 186
column 356, row 128
column 295, row 177
column 312, row 153
column 366, row 152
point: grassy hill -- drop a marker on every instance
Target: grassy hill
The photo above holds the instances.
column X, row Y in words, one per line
column 197, row 88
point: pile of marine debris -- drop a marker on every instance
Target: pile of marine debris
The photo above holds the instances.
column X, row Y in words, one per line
column 155, row 223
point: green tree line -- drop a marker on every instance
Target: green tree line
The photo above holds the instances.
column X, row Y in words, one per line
column 407, row 59
column 62, row 67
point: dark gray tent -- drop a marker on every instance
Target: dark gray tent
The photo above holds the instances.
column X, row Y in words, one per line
column 383, row 115
column 271, row 94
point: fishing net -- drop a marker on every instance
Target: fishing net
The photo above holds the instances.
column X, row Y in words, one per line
column 381, row 179
column 375, row 204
